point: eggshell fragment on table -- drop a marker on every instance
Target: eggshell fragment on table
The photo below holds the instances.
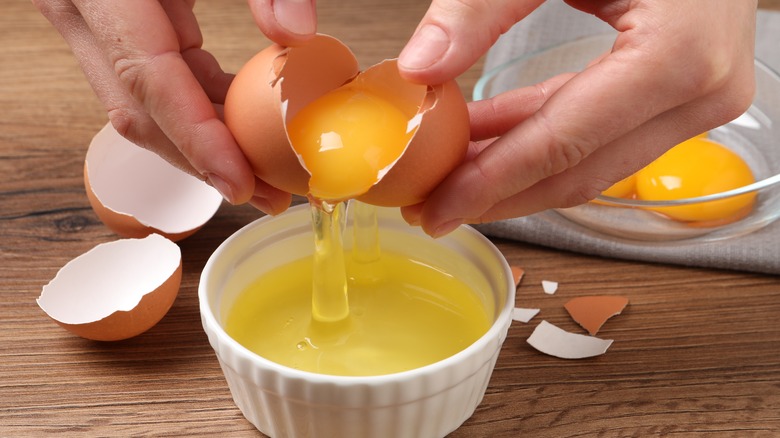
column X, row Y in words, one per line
column 522, row 314
column 554, row 341
column 517, row 274
column 135, row 192
column 591, row 312
column 116, row 290
column 549, row 287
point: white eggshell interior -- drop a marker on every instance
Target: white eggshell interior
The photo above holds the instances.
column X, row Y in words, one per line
column 110, row 277
column 549, row 287
column 133, row 181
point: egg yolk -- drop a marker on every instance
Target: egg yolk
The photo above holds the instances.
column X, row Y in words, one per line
column 624, row 188
column 347, row 138
column 697, row 167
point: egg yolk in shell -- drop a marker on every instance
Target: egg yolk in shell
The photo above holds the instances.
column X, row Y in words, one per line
column 347, row 138
column 694, row 168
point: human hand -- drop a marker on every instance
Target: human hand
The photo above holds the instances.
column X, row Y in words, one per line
column 285, row 22
column 162, row 91
column 676, row 69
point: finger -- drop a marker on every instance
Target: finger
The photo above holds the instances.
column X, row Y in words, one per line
column 214, row 81
column 590, row 110
column 495, row 116
column 143, row 49
column 412, row 213
column 120, row 105
column 453, row 34
column 618, row 160
column 269, row 199
column 204, row 66
column 492, row 117
column 285, row 22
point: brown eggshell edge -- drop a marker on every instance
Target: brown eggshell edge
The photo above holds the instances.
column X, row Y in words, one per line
column 274, row 84
column 290, row 78
column 123, row 325
column 442, row 138
column 122, row 224
column 591, row 312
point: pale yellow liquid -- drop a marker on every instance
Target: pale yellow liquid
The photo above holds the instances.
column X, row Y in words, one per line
column 403, row 314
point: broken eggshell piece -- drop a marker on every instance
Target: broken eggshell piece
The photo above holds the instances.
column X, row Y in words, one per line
column 591, row 312
column 276, row 83
column 116, row 290
column 554, row 341
column 135, row 192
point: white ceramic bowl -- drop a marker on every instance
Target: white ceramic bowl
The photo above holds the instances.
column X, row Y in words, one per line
column 431, row 401
column 755, row 136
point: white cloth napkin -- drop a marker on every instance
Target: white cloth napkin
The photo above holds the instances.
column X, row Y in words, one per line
column 553, row 23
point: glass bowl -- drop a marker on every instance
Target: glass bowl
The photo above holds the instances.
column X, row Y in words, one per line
column 430, row 401
column 754, row 136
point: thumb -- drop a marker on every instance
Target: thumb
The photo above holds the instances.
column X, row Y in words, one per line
column 285, row 22
column 453, row 34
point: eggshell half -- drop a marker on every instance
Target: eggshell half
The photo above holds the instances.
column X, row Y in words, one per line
column 136, row 193
column 438, row 146
column 116, row 290
column 276, row 83
column 279, row 81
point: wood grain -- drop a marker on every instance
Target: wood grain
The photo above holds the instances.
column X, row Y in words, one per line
column 696, row 351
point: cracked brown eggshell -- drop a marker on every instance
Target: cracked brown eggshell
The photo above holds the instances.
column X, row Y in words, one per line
column 136, row 193
column 116, row 290
column 277, row 82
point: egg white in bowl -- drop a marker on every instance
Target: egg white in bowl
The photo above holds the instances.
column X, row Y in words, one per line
column 429, row 401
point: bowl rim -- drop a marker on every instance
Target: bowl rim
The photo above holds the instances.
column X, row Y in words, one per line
column 478, row 93
column 495, row 332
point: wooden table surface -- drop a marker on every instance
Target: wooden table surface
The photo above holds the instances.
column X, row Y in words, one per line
column 696, row 351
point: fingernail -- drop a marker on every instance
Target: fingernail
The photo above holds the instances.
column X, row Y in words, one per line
column 222, row 187
column 263, row 205
column 446, row 228
column 427, row 46
column 297, row 16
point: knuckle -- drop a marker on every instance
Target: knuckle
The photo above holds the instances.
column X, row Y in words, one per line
column 135, row 70
column 740, row 97
column 132, row 125
column 486, row 179
column 565, row 150
column 130, row 69
column 123, row 122
column 708, row 72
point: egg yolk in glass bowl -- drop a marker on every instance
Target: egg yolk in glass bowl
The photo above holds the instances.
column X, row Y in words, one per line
column 694, row 168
